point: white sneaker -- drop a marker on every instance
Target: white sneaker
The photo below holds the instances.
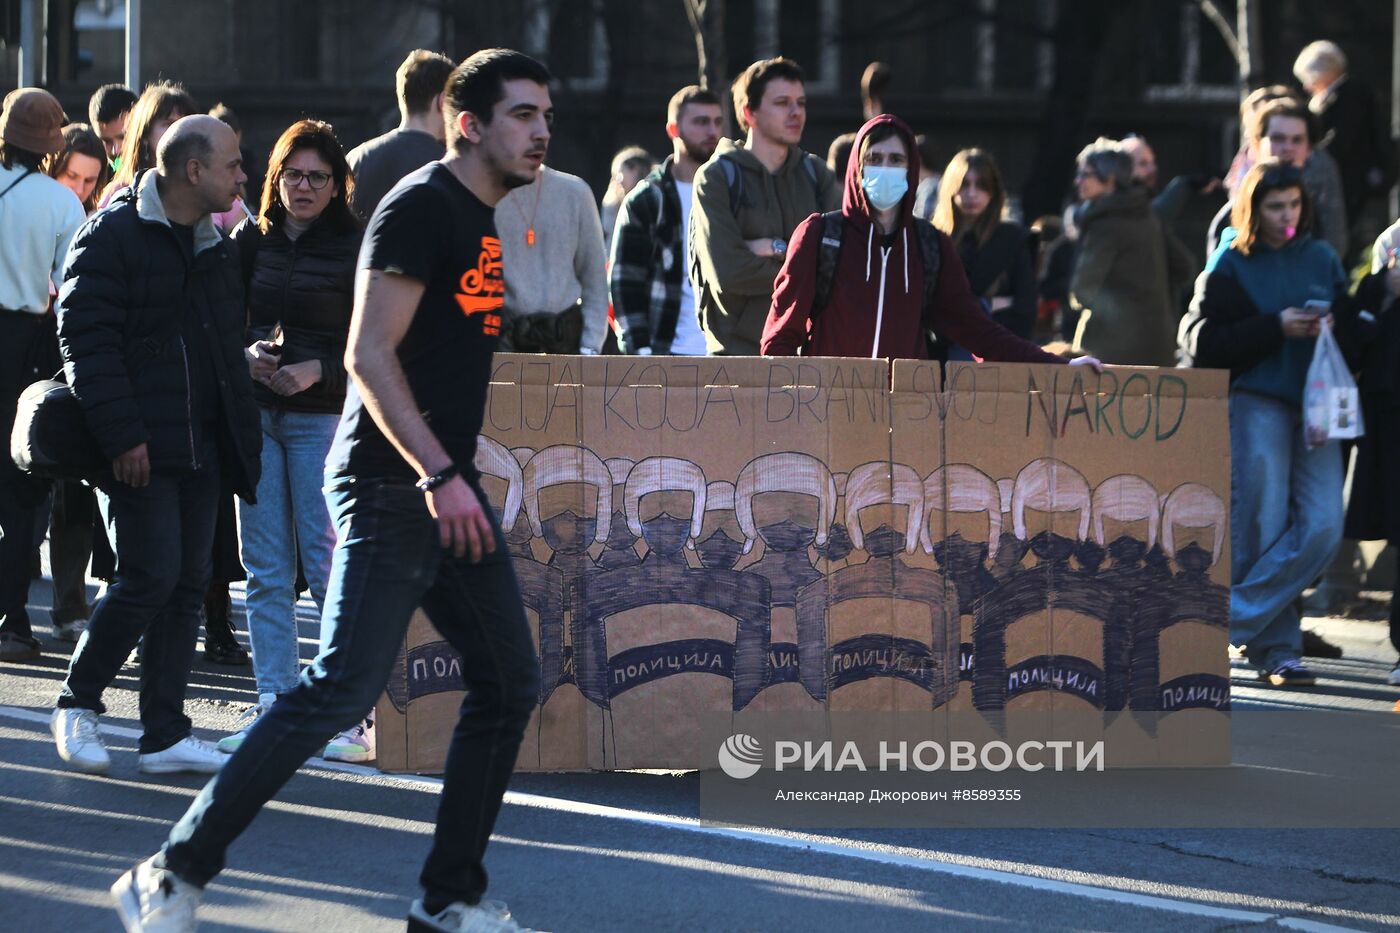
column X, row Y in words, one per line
column 154, row 900
column 75, row 735
column 231, row 743
column 355, row 744
column 188, row 754
column 486, row 917
column 70, row 631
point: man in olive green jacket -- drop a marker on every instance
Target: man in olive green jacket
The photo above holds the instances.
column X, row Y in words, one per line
column 748, row 200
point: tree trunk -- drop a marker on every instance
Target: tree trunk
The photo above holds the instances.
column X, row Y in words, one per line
column 707, row 25
column 1081, row 28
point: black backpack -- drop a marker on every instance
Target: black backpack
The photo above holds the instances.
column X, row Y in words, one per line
column 833, row 226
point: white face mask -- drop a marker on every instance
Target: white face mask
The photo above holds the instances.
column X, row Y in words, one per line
column 884, row 185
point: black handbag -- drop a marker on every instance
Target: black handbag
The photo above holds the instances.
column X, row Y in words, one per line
column 51, row 438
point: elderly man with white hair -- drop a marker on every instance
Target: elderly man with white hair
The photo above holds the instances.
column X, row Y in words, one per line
column 1346, row 111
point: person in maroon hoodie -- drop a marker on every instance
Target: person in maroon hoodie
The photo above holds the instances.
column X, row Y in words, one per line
column 876, row 303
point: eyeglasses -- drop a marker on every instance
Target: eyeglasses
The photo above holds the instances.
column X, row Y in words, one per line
column 293, row 178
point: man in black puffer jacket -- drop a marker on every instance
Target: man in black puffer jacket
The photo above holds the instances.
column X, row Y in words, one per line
column 151, row 325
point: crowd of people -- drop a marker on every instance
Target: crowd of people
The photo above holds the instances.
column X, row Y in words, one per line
column 331, row 328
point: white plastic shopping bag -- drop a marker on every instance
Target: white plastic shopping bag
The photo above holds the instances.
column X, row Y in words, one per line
column 1331, row 402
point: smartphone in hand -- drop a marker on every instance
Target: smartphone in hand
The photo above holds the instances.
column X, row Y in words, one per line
column 1317, row 307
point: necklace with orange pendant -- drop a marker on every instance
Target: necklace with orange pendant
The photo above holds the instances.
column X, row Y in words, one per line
column 530, row 222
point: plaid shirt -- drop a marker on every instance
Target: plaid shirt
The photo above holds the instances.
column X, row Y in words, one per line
column 648, row 263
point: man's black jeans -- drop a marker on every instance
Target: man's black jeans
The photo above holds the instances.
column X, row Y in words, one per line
column 164, row 541
column 388, row 561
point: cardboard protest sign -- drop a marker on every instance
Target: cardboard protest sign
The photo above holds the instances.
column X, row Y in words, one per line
column 743, row 536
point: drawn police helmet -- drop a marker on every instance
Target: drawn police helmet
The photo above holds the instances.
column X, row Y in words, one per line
column 784, row 472
column 961, row 487
column 882, row 483
column 1192, row 505
column 719, row 496
column 565, row 463
column 665, row 474
column 618, row 468
column 1050, row 485
column 1126, row 498
column 492, row 459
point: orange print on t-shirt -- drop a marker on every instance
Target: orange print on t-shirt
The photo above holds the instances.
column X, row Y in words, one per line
column 483, row 288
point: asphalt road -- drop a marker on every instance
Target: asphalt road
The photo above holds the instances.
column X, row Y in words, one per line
column 340, row 848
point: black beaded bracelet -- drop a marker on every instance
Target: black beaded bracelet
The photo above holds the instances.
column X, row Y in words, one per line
column 429, row 483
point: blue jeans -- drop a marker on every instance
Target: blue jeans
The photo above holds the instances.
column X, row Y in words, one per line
column 163, row 536
column 1285, row 523
column 290, row 517
column 388, row 561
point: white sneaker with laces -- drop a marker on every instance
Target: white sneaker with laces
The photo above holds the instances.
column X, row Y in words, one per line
column 188, row 754
column 154, row 900
column 460, row 917
column 231, row 743
column 355, row 744
column 75, row 735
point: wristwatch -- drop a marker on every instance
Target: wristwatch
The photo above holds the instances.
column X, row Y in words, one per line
column 779, row 247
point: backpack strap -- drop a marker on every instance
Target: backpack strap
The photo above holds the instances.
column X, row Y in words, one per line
column 833, row 226
column 930, row 250
column 734, row 181
column 809, row 166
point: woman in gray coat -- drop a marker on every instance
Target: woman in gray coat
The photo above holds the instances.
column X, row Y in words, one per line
column 1125, row 266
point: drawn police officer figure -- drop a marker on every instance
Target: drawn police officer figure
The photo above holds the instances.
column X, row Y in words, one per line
column 1188, row 597
column 1051, row 486
column 925, row 655
column 667, row 536
column 962, row 488
column 721, row 542
column 568, row 534
column 798, row 510
column 666, row 579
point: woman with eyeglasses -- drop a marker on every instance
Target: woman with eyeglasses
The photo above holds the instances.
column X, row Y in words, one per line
column 1266, row 293
column 1121, row 279
column 299, row 266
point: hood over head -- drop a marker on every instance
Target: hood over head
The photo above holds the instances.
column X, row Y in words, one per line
column 856, row 207
column 854, row 203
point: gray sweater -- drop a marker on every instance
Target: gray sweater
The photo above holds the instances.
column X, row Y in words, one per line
column 566, row 262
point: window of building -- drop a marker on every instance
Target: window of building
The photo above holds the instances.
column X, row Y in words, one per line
column 989, row 47
column 571, row 38
column 1185, row 57
column 790, row 28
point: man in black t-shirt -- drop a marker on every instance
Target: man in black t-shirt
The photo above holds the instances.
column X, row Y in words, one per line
column 409, row 514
